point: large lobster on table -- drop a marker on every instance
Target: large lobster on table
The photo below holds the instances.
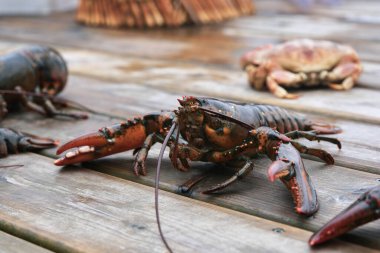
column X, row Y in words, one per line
column 223, row 132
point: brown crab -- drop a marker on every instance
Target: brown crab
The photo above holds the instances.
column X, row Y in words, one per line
column 300, row 63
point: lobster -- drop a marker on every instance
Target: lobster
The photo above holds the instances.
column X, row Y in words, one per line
column 13, row 142
column 216, row 131
column 365, row 209
column 33, row 76
column 213, row 130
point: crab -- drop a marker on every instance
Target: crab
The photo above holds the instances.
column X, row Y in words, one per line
column 301, row 63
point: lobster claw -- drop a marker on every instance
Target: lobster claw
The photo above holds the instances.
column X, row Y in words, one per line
column 363, row 210
column 289, row 168
column 13, row 142
column 107, row 141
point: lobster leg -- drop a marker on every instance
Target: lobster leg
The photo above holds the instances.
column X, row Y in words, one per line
column 248, row 167
column 363, row 210
column 50, row 110
column 44, row 106
column 142, row 153
column 312, row 136
column 320, row 153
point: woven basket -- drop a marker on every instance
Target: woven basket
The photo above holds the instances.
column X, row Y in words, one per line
column 157, row 13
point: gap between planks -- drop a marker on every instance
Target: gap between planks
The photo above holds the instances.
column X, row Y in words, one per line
column 359, row 151
column 81, row 210
column 253, row 195
column 12, row 244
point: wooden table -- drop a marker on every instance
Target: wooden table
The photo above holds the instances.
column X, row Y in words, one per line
column 100, row 206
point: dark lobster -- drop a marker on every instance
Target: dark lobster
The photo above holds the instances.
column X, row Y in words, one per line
column 33, row 76
column 13, row 142
column 365, row 209
column 217, row 131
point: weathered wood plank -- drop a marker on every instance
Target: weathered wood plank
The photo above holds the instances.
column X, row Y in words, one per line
column 125, row 100
column 11, row 244
column 256, row 196
column 349, row 11
column 356, row 104
column 224, row 43
column 251, row 195
column 79, row 210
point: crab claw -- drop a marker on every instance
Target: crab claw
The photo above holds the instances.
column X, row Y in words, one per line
column 363, row 210
column 289, row 168
column 107, row 141
column 12, row 141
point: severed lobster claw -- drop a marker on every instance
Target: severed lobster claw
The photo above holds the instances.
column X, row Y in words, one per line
column 12, row 142
column 365, row 209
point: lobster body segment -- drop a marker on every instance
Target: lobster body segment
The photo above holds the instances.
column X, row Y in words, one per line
column 224, row 132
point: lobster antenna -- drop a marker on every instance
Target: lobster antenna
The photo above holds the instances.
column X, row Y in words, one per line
column 12, row 166
column 220, row 115
column 157, row 183
column 29, row 93
column 34, row 94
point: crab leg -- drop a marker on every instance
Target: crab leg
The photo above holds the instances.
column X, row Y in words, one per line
column 363, row 210
column 283, row 77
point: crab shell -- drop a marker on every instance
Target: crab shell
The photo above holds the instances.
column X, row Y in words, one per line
column 299, row 63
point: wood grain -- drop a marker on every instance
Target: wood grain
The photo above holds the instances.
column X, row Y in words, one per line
column 271, row 201
column 79, row 210
column 124, row 100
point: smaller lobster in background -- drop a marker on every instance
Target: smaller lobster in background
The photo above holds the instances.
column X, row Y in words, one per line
column 301, row 63
column 33, row 76
column 365, row 209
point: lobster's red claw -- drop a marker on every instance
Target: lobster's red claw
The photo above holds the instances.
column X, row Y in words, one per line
column 363, row 210
column 107, row 141
column 289, row 168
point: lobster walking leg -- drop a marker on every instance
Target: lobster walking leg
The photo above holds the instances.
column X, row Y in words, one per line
column 248, row 167
column 320, row 153
column 313, row 136
column 142, row 153
column 44, row 106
